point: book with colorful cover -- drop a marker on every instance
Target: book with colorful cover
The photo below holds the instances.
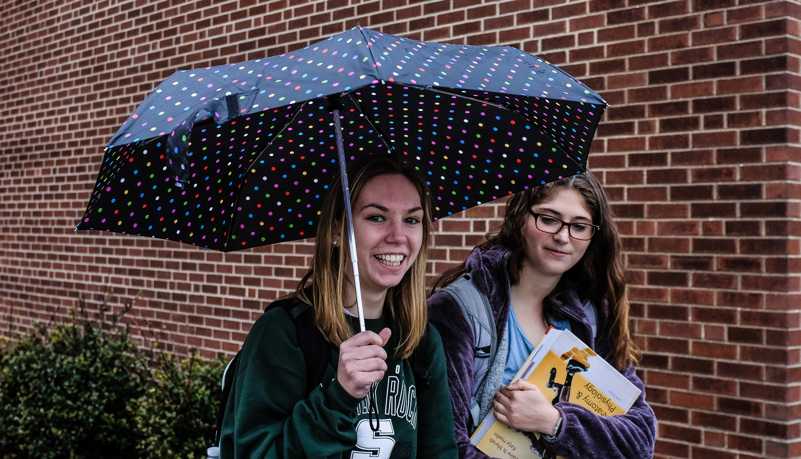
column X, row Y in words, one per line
column 563, row 366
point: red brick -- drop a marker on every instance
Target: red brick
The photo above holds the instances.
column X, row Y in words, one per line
column 705, row 88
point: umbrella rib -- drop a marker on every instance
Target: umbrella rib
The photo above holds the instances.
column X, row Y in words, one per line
column 381, row 134
column 289, row 121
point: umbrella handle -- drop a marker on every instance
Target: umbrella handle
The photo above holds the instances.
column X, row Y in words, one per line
column 348, row 216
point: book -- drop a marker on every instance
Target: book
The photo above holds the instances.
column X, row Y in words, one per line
column 564, row 367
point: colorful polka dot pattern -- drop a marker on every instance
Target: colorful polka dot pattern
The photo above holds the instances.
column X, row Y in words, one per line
column 238, row 156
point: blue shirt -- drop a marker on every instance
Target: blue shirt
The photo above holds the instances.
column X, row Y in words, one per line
column 519, row 345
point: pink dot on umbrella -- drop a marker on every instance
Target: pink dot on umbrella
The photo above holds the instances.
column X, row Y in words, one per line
column 108, row 188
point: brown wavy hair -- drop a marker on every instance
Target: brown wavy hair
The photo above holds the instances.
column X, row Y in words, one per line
column 323, row 286
column 601, row 269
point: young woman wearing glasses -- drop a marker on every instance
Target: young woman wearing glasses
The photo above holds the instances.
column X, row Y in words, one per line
column 556, row 250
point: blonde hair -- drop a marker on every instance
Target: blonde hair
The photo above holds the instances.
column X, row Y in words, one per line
column 323, row 286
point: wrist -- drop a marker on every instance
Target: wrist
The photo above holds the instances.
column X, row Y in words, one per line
column 557, row 428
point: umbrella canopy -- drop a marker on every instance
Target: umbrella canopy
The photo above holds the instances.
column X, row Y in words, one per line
column 237, row 156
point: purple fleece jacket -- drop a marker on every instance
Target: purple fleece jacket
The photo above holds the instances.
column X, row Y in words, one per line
column 583, row 433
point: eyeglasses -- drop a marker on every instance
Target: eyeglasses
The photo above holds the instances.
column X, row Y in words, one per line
column 552, row 225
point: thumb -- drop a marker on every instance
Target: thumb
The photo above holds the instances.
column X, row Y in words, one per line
column 384, row 335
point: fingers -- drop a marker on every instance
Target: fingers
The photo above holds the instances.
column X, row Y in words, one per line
column 385, row 334
column 522, row 405
column 521, row 384
column 362, row 361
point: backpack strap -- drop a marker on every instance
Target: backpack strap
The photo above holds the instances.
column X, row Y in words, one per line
column 478, row 313
column 225, row 392
column 315, row 348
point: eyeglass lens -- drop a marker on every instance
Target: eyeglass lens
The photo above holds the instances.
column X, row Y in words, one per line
column 553, row 225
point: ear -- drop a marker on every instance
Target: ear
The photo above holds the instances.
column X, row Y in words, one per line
column 336, row 236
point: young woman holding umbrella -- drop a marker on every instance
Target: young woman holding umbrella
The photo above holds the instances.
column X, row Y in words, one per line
column 556, row 249
column 271, row 414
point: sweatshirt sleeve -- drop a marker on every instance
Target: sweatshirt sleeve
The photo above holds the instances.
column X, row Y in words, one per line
column 269, row 414
column 457, row 341
column 584, row 434
column 435, row 430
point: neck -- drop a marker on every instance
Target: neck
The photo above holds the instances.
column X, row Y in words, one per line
column 372, row 305
column 532, row 289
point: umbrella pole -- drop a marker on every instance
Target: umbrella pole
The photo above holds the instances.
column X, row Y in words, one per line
column 348, row 217
column 371, row 396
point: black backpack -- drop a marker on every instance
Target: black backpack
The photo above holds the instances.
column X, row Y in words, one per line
column 316, row 351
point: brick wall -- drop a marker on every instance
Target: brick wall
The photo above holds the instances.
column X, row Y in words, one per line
column 699, row 152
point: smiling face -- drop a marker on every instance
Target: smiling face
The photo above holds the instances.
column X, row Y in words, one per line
column 388, row 224
column 551, row 255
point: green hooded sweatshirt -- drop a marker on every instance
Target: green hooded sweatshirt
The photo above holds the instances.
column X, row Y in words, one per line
column 269, row 414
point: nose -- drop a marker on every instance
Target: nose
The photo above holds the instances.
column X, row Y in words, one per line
column 563, row 234
column 395, row 233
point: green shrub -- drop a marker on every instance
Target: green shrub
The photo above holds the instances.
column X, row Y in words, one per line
column 66, row 392
column 178, row 416
column 84, row 390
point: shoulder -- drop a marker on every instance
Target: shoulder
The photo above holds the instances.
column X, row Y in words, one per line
column 441, row 302
column 431, row 338
column 272, row 333
column 276, row 314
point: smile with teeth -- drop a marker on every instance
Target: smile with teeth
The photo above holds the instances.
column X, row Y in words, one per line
column 391, row 260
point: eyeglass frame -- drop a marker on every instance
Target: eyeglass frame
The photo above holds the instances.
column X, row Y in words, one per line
column 563, row 224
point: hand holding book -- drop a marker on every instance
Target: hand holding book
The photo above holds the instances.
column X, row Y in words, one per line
column 560, row 369
column 523, row 406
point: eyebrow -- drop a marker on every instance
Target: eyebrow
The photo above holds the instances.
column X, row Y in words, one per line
column 386, row 209
column 561, row 215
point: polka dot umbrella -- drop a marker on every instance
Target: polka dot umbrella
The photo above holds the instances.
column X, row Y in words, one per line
column 237, row 156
